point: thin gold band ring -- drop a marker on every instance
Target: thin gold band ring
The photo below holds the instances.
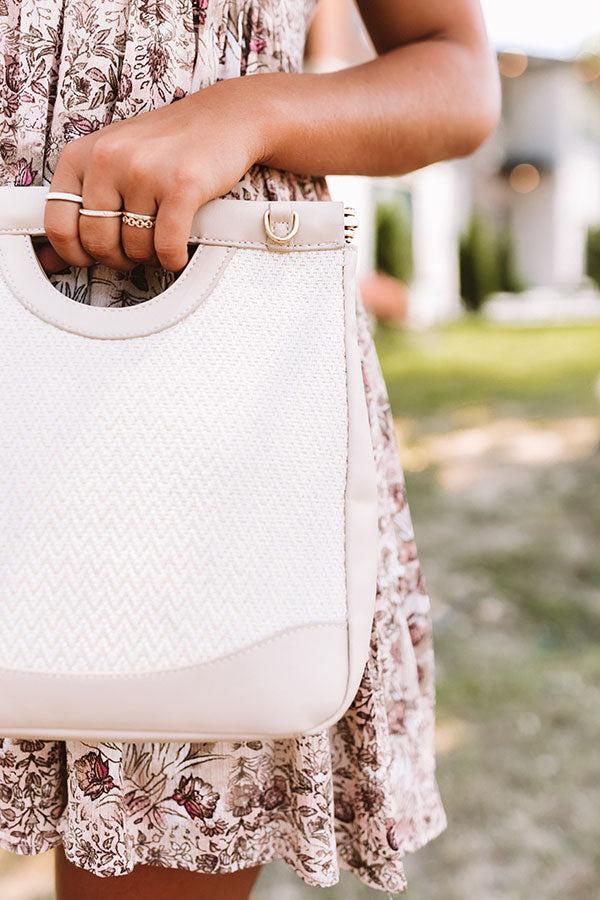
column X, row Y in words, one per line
column 64, row 195
column 101, row 213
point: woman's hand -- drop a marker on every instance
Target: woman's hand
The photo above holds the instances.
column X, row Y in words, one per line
column 167, row 163
column 432, row 94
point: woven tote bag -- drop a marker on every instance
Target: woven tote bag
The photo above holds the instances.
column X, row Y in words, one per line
column 188, row 513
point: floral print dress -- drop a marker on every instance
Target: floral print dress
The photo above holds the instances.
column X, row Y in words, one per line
column 363, row 793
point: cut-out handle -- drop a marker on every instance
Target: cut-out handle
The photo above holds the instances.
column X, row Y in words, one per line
column 23, row 278
column 234, row 223
column 220, row 227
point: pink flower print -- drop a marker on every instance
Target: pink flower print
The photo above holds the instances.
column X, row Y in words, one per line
column 24, row 178
column 197, row 797
column 79, row 125
column 200, row 11
column 417, row 630
column 396, row 716
column 93, row 775
column 258, row 43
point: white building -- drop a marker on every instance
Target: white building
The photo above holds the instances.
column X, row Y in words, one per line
column 538, row 176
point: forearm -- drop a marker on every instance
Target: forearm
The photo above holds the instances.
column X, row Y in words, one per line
column 427, row 101
column 432, row 94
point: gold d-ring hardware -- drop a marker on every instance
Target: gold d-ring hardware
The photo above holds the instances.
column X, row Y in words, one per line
column 277, row 239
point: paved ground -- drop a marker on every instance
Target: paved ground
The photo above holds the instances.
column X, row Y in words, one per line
column 501, row 443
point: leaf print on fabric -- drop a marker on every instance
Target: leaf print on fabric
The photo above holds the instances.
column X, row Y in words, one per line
column 197, row 797
column 244, row 797
column 30, row 746
column 93, row 775
column 275, row 796
column 7, row 757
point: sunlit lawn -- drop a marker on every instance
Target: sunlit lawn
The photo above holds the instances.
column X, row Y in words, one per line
column 532, row 370
column 500, row 440
column 501, row 445
column 504, row 479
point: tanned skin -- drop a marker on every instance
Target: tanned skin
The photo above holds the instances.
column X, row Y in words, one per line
column 431, row 94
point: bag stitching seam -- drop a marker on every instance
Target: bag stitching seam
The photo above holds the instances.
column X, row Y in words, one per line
column 107, row 335
column 134, row 676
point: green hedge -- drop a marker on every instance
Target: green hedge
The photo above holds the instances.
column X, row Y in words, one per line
column 592, row 255
column 393, row 240
column 487, row 263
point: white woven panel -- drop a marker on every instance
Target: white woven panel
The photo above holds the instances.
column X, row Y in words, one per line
column 168, row 500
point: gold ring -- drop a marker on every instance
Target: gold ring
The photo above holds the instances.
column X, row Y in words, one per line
column 64, row 195
column 101, row 213
column 138, row 220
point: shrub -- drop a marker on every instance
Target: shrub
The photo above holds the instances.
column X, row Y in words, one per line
column 478, row 261
column 592, row 255
column 509, row 278
column 393, row 241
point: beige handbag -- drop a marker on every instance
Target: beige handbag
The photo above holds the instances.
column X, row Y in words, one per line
column 187, row 488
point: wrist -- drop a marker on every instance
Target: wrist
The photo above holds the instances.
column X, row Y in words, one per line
column 244, row 105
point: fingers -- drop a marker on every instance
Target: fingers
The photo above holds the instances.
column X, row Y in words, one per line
column 61, row 217
column 138, row 243
column 172, row 231
column 110, row 178
column 101, row 235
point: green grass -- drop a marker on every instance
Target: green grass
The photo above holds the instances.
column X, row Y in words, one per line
column 472, row 362
column 521, row 786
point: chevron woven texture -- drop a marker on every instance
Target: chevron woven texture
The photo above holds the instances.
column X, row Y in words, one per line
column 168, row 500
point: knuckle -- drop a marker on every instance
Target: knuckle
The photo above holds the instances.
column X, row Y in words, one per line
column 97, row 247
column 171, row 258
column 183, row 181
column 104, row 153
column 59, row 232
column 139, row 170
column 68, row 155
column 139, row 254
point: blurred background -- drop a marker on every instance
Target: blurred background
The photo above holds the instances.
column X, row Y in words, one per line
column 483, row 280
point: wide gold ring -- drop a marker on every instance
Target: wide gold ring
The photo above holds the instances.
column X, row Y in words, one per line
column 138, row 220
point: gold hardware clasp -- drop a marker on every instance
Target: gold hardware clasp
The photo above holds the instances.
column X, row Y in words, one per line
column 350, row 224
column 281, row 239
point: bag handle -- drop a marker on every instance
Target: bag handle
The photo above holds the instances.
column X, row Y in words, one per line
column 256, row 224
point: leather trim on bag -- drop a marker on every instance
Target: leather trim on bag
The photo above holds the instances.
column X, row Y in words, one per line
column 29, row 285
column 231, row 223
column 304, row 693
